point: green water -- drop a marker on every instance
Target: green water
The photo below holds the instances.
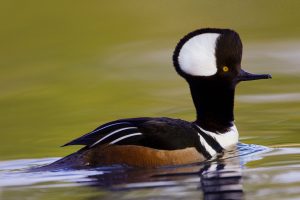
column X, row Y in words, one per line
column 68, row 66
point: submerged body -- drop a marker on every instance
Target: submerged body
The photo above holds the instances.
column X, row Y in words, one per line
column 210, row 61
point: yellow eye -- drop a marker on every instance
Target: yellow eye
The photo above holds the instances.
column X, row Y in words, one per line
column 225, row 69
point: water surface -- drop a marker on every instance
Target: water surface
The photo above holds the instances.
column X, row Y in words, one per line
column 226, row 178
column 267, row 114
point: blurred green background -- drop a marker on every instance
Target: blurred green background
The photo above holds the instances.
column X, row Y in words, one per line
column 68, row 66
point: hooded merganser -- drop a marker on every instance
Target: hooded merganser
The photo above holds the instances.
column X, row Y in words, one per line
column 210, row 61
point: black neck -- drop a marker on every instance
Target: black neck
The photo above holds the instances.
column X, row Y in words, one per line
column 214, row 102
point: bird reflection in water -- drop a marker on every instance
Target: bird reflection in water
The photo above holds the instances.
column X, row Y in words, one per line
column 223, row 182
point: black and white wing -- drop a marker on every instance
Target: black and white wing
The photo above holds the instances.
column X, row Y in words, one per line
column 159, row 133
column 111, row 133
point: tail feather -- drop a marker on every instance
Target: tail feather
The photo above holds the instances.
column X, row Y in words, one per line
column 75, row 160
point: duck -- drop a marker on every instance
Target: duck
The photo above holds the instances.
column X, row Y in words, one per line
column 209, row 59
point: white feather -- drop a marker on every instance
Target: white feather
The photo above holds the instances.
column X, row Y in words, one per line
column 208, row 148
column 99, row 129
column 197, row 55
column 114, row 132
column 227, row 139
column 124, row 137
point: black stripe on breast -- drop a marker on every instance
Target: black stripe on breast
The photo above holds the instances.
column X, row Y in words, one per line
column 210, row 140
column 203, row 151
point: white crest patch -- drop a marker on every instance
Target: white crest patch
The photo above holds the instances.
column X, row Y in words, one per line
column 197, row 55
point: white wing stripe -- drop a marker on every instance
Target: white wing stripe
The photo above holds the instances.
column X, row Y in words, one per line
column 124, row 137
column 108, row 126
column 116, row 131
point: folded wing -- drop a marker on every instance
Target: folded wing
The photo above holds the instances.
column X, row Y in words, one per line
column 158, row 133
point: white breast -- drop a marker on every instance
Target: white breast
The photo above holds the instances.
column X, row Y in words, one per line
column 226, row 140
